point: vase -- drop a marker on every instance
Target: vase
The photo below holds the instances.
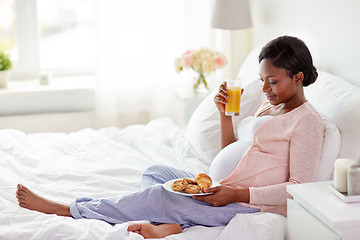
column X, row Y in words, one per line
column 200, row 85
column 4, row 78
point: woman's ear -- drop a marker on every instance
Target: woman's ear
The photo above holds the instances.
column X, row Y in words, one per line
column 298, row 78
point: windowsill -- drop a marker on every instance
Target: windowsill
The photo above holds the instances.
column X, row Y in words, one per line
column 62, row 94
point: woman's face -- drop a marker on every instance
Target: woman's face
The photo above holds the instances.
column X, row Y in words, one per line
column 277, row 85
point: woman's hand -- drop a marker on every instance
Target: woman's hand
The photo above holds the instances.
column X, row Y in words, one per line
column 221, row 97
column 224, row 195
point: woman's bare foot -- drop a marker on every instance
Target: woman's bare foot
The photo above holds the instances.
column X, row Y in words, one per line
column 151, row 231
column 28, row 199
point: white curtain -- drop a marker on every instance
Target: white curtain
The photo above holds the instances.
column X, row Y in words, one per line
column 138, row 42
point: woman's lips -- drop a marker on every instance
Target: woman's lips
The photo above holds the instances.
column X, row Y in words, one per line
column 270, row 97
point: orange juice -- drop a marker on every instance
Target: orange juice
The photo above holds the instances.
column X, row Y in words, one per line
column 232, row 108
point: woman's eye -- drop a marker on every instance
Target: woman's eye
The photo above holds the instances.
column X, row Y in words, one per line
column 273, row 83
column 261, row 80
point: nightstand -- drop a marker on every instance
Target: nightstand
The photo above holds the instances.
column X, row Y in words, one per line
column 316, row 213
column 186, row 105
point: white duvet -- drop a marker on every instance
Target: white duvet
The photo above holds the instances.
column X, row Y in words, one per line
column 101, row 163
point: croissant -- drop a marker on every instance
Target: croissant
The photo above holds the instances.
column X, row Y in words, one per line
column 203, row 180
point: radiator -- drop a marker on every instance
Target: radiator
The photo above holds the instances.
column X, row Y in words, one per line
column 73, row 121
column 50, row 122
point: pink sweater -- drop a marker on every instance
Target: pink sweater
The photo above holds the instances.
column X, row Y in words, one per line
column 286, row 150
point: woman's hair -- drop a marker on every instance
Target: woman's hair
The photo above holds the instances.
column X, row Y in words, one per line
column 291, row 54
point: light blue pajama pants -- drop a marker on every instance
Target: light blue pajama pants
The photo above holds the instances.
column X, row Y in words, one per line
column 156, row 205
column 159, row 174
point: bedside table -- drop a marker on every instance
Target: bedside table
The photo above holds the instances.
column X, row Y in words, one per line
column 186, row 105
column 316, row 213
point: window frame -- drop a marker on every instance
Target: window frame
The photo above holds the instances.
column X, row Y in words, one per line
column 27, row 34
column 27, row 65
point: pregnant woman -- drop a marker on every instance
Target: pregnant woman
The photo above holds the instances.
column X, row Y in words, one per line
column 284, row 146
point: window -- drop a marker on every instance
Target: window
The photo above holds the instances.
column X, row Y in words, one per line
column 7, row 25
column 52, row 35
column 67, row 35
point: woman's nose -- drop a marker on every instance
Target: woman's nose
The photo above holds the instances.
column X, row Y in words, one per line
column 266, row 87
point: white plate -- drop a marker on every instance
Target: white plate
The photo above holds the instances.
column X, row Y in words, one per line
column 168, row 187
column 343, row 196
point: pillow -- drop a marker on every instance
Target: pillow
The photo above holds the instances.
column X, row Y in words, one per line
column 339, row 101
column 330, row 151
column 250, row 68
column 203, row 129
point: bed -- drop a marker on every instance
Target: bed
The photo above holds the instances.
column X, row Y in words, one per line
column 108, row 162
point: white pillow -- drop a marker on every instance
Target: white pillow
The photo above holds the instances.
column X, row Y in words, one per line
column 330, row 151
column 250, row 68
column 339, row 101
column 203, row 129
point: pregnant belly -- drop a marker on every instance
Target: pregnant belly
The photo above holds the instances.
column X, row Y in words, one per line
column 227, row 159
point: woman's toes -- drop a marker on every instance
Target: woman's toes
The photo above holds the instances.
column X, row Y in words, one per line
column 21, row 204
column 22, row 188
column 134, row 228
column 20, row 195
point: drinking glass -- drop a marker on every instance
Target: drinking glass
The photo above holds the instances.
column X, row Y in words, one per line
column 232, row 108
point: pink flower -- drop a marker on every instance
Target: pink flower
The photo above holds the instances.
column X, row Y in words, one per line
column 186, row 58
column 188, row 52
column 186, row 61
column 220, row 61
column 203, row 60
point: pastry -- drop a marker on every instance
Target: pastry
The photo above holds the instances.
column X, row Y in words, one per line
column 203, row 180
column 190, row 181
column 192, row 189
column 179, row 185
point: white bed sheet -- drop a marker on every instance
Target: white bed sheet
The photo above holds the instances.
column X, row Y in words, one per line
column 101, row 163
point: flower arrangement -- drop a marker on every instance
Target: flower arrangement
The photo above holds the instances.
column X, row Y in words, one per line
column 203, row 61
column 5, row 62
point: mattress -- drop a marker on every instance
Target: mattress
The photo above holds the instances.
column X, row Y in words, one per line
column 102, row 163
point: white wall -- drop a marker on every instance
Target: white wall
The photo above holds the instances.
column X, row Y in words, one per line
column 330, row 28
